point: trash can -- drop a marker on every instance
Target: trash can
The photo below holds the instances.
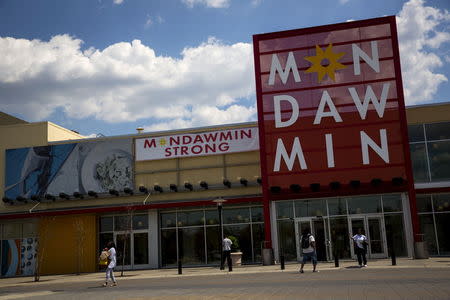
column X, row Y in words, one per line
column 420, row 247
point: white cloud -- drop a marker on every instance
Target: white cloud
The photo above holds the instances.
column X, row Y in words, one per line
column 118, row 2
column 148, row 22
column 343, row 1
column 126, row 81
column 208, row 3
column 256, row 2
column 420, row 37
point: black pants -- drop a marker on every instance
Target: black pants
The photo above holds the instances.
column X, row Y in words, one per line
column 225, row 256
column 361, row 254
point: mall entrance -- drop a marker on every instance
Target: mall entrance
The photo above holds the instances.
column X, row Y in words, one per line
column 318, row 227
column 373, row 228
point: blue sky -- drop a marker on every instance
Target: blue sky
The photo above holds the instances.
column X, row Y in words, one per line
column 109, row 66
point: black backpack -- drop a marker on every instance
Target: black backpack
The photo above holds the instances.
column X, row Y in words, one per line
column 305, row 241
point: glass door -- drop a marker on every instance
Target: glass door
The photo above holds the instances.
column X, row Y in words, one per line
column 123, row 249
column 318, row 228
column 373, row 229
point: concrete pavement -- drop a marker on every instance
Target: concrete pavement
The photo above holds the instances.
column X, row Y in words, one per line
column 402, row 263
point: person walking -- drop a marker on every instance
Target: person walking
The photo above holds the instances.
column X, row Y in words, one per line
column 226, row 248
column 308, row 245
column 112, row 259
column 360, row 241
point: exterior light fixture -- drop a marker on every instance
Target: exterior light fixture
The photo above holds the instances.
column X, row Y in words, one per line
column 7, row 200
column 227, row 183
column 355, row 183
column 243, row 181
column 78, row 195
column 50, row 197
column 275, row 189
column 204, row 184
column 188, row 186
column 157, row 188
column 173, row 187
column 398, row 181
column 93, row 194
column 376, row 182
column 36, row 198
column 315, row 187
column 114, row 192
column 64, row 196
column 143, row 189
column 295, row 188
column 128, row 191
column 21, row 199
column 335, row 185
column 259, row 180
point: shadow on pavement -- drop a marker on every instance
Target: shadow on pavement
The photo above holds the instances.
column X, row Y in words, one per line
column 353, row 267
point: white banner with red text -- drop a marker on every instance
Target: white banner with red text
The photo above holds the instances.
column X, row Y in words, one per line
column 197, row 144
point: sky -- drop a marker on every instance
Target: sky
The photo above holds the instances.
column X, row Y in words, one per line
column 110, row 66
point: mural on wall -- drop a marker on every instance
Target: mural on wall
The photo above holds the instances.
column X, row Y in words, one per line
column 18, row 257
column 81, row 167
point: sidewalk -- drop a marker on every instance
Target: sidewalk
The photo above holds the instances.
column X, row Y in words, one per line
column 436, row 262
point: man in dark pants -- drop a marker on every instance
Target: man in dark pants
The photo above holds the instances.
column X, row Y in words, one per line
column 226, row 247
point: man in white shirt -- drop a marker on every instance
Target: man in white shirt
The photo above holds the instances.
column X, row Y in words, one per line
column 112, row 259
column 308, row 245
column 360, row 241
column 226, row 248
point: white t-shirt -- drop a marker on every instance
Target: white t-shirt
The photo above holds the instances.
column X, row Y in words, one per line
column 227, row 244
column 310, row 248
column 112, row 258
column 359, row 239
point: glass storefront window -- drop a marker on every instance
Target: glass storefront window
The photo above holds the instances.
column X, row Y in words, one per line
column 419, row 162
column 337, row 206
column 310, row 208
column 12, row 231
column 236, row 215
column 106, row 224
column 427, row 228
column 257, row 214
column 442, row 225
column 438, row 131
column 141, row 248
column 395, row 234
column 168, row 220
column 140, row 222
column 439, row 160
column 169, row 247
column 340, row 237
column 364, row 204
column 122, row 223
column 123, row 246
column 212, row 217
column 415, row 133
column 104, row 239
column 258, row 238
column 441, row 202
column 192, row 245
column 212, row 244
column 286, row 239
column 392, row 203
column 285, row 209
column 190, row 218
column 424, row 203
column 243, row 235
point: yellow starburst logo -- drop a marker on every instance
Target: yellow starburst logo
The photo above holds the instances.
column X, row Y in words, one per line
column 325, row 62
column 162, row 142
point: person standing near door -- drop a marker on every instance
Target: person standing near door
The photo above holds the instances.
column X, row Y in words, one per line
column 308, row 244
column 360, row 241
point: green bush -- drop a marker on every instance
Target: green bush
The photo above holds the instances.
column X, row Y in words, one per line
column 235, row 245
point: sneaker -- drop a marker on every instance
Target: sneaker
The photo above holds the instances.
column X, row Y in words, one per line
column 301, row 271
column 365, row 266
column 316, row 271
column 105, row 284
column 114, row 284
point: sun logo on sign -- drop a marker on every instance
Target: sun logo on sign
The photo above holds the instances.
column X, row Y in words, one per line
column 325, row 62
column 162, row 142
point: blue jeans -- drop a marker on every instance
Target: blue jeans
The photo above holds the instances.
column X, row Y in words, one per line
column 310, row 255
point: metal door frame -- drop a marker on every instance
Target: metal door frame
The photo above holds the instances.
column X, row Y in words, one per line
column 365, row 219
column 311, row 225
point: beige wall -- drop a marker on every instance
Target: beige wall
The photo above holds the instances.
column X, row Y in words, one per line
column 58, row 133
column 428, row 113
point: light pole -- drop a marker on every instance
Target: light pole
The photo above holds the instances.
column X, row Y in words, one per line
column 219, row 201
